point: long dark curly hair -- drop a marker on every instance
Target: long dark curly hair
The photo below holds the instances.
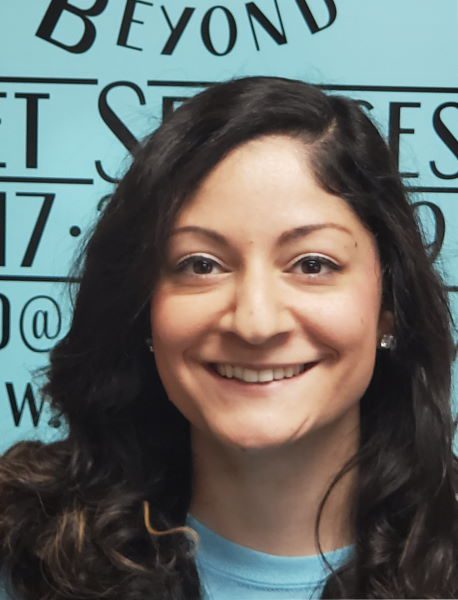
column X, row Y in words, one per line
column 71, row 512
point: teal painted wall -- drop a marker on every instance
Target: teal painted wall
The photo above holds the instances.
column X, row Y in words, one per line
column 80, row 80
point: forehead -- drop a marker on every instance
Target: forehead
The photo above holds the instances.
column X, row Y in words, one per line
column 264, row 187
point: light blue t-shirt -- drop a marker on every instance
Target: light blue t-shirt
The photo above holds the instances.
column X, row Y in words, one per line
column 228, row 570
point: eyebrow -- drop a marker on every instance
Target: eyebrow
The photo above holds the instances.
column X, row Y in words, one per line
column 285, row 237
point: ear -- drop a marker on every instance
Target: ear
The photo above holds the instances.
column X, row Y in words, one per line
column 385, row 323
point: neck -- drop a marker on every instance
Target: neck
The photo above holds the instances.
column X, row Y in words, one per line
column 268, row 499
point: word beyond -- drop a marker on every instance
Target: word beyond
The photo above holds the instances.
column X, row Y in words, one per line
column 215, row 42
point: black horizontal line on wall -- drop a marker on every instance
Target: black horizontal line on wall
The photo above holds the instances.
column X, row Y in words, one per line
column 435, row 190
column 159, row 83
column 39, row 279
column 82, row 181
column 156, row 82
column 65, row 180
column 50, row 80
column 324, row 86
column 391, row 88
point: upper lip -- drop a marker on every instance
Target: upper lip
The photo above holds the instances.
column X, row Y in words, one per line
column 259, row 367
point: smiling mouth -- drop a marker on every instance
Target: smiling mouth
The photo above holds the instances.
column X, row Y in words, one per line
column 259, row 376
column 212, row 367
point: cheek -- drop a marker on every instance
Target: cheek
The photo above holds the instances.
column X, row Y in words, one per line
column 351, row 334
column 345, row 321
column 178, row 320
column 173, row 327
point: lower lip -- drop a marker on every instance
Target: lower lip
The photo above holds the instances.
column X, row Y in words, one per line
column 260, row 386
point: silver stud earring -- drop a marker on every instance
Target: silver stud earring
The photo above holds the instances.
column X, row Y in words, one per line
column 149, row 343
column 387, row 342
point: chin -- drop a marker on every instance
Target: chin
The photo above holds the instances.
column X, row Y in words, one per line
column 257, row 440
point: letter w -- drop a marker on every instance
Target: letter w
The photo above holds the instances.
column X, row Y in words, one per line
column 28, row 398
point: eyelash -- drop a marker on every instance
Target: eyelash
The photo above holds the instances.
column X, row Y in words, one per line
column 181, row 267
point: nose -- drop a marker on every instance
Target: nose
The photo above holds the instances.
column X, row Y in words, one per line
column 258, row 309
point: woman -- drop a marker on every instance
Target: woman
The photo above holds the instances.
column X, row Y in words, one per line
column 260, row 353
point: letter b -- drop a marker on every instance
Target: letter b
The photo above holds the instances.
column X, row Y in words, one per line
column 54, row 13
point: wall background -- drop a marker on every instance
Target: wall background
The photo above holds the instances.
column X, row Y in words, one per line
column 81, row 80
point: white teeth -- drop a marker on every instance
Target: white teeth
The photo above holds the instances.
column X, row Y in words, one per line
column 261, row 376
column 250, row 376
column 279, row 373
column 238, row 372
column 266, row 375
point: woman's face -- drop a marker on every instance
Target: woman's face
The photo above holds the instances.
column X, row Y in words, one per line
column 267, row 314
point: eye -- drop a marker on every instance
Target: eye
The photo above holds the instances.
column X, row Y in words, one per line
column 315, row 264
column 198, row 265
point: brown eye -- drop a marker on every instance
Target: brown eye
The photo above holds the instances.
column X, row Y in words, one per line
column 202, row 266
column 198, row 265
column 311, row 265
column 316, row 265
